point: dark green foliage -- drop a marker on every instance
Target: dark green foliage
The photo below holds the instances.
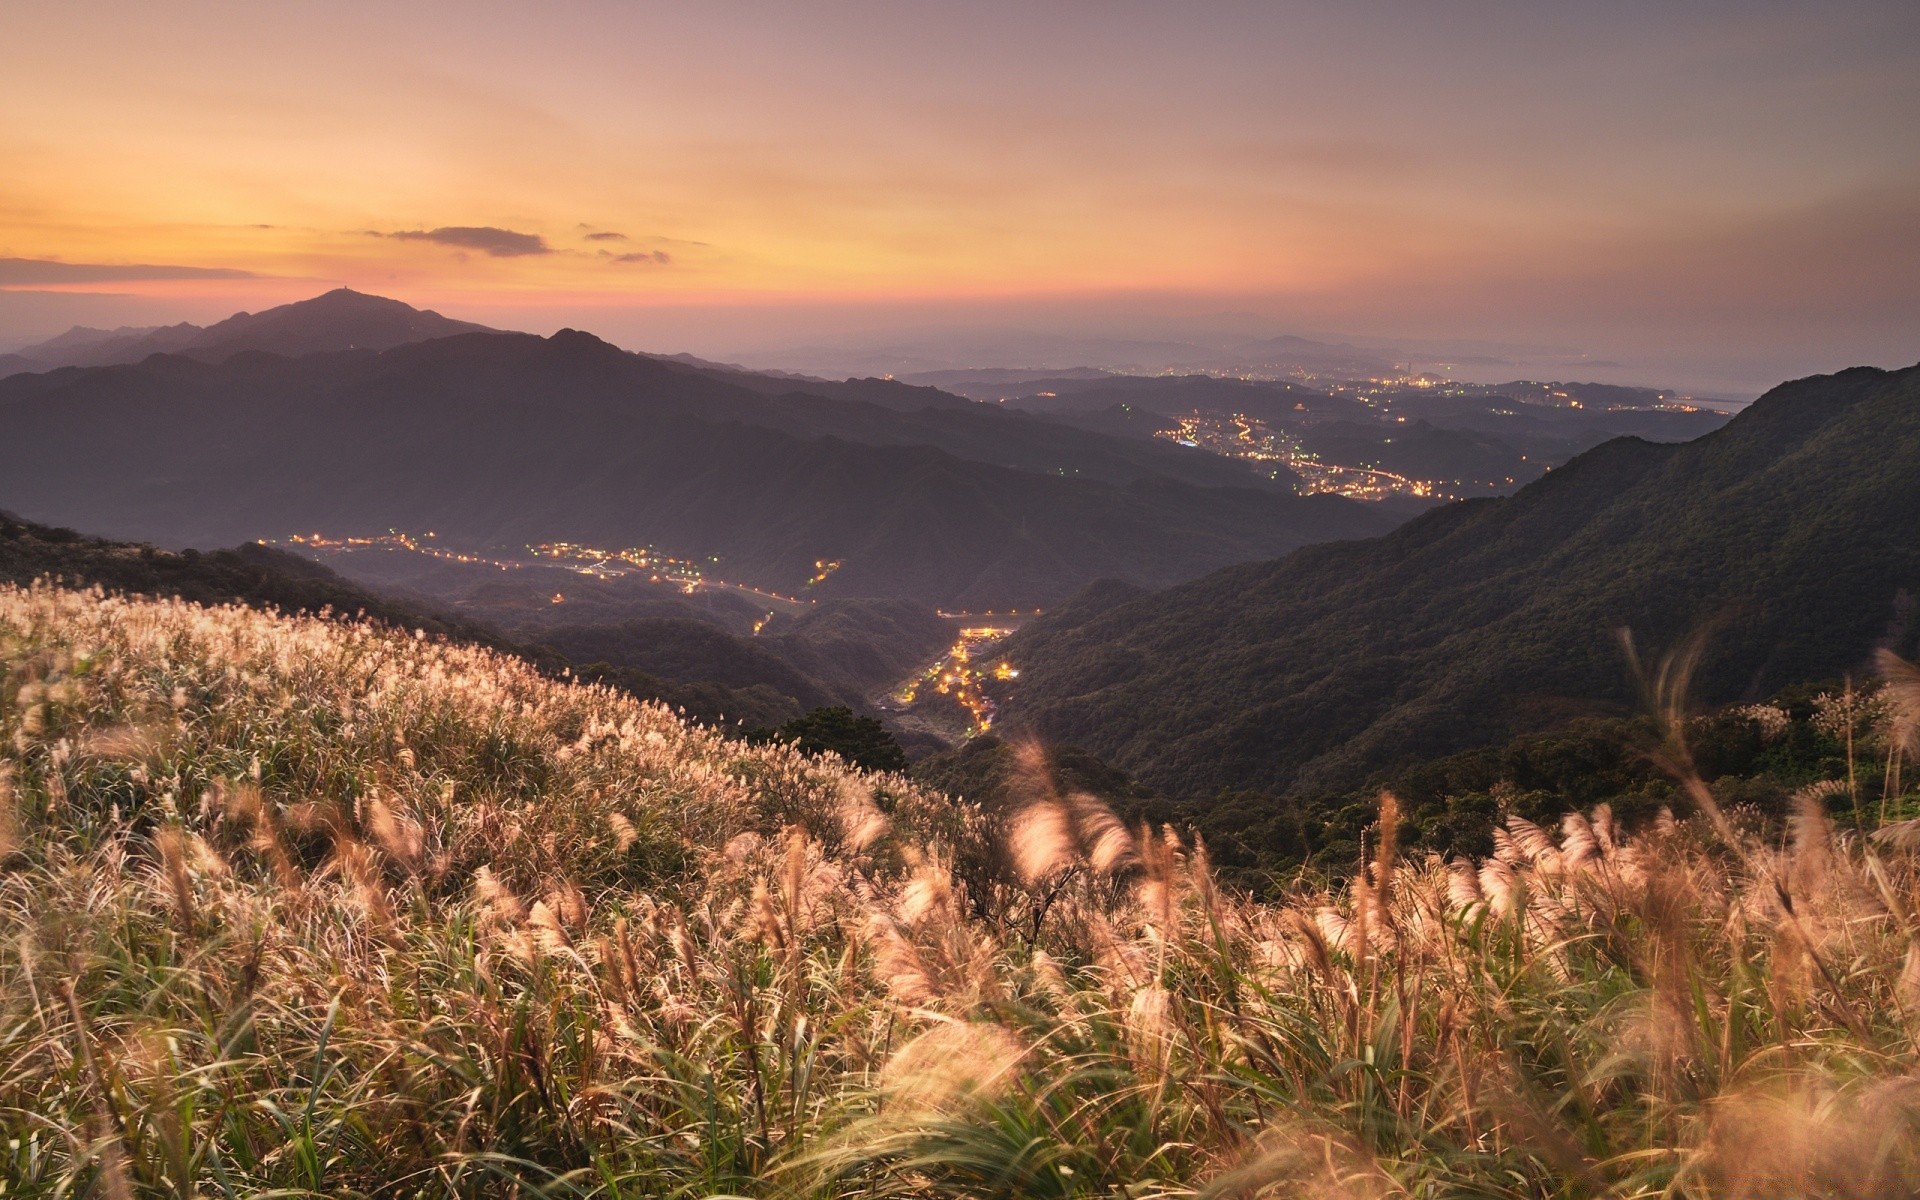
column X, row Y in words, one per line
column 1793, row 533
column 1261, row 840
column 1451, row 805
column 861, row 741
column 688, row 651
column 707, row 703
column 988, row 771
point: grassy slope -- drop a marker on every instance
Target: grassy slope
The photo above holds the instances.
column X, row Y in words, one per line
column 262, row 577
column 298, row 905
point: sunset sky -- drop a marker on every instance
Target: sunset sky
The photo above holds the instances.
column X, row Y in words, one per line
column 1707, row 195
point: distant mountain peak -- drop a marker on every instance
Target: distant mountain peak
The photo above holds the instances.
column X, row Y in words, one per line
column 341, row 319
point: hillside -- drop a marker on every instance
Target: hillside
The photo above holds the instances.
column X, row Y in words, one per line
column 262, row 577
column 257, row 576
column 1792, row 534
column 507, row 439
column 301, row 907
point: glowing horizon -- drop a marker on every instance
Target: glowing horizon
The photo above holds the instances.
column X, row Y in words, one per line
column 1680, row 188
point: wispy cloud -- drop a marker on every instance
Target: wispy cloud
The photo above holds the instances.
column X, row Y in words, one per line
column 38, row 272
column 499, row 243
column 653, row 257
column 607, row 236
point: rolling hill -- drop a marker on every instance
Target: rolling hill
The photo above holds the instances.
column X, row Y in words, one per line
column 342, row 319
column 504, row 439
column 1792, row 533
column 686, row 664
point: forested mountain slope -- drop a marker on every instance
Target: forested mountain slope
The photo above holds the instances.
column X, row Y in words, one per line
column 504, row 439
column 1792, row 534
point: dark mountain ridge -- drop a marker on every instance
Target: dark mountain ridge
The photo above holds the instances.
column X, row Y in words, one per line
column 1793, row 533
column 503, row 439
column 342, row 319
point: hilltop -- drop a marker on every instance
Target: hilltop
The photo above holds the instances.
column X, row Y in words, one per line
column 1789, row 536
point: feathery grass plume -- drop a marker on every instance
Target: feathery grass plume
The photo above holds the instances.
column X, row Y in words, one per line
column 624, row 834
column 171, row 843
column 1605, row 1033
column 767, row 925
column 1336, row 932
column 400, row 837
column 1041, row 841
column 795, row 892
column 1109, row 844
column 1300, row 1160
column 1907, row 987
column 497, row 899
column 928, row 896
column 10, row 833
column 861, row 821
column 355, row 862
column 1601, row 822
column 1664, row 823
column 1154, row 892
column 1534, row 844
column 898, row 964
column 1498, row 885
column 1051, row 978
column 1316, row 949
column 1149, row 1032
column 1810, row 857
column 549, row 933
column 1902, row 690
column 1387, row 852
column 244, row 805
column 1463, row 887
column 568, row 904
column 953, row 1065
column 1579, row 845
column 1806, row 1136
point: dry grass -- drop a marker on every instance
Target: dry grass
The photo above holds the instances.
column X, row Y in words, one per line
column 300, row 907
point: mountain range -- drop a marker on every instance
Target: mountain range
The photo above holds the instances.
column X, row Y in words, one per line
column 342, row 319
column 501, row 439
column 1791, row 537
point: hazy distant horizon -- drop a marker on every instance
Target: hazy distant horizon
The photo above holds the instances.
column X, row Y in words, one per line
column 836, row 344
column 1713, row 197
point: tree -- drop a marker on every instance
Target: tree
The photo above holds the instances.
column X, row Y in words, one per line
column 862, row 741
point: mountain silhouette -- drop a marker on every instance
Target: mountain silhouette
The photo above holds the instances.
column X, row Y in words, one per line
column 342, row 319
column 504, row 439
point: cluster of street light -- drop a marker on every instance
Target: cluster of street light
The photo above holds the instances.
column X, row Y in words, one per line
column 393, row 540
column 1237, row 435
column 686, row 574
column 963, row 673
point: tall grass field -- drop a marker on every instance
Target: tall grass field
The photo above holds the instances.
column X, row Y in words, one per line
column 295, row 906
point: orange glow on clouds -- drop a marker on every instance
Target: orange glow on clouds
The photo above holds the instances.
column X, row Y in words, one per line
column 1520, row 170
